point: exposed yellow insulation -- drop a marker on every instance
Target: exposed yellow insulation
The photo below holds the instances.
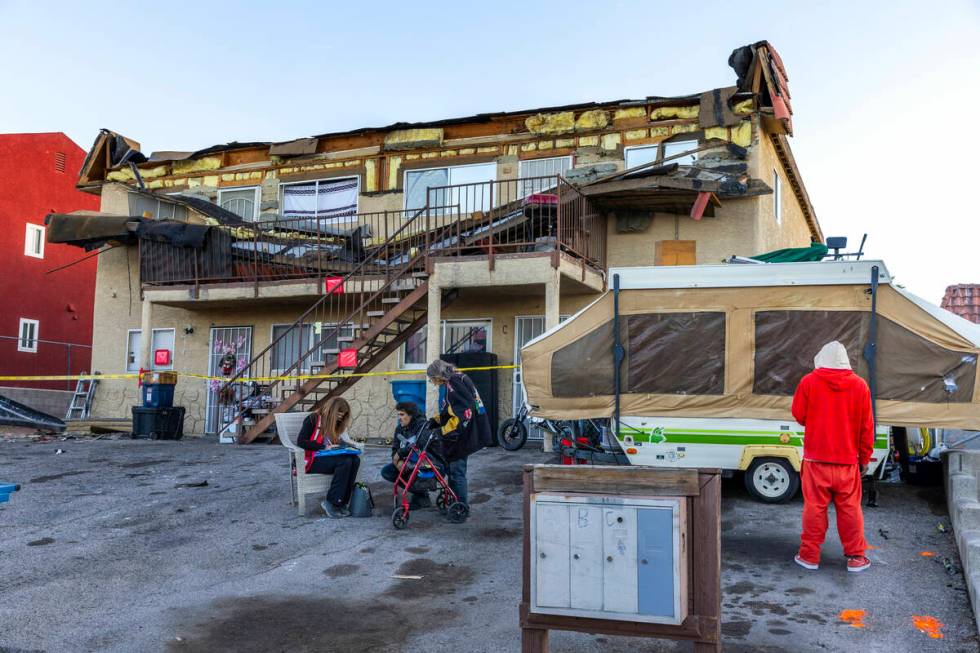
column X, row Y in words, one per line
column 610, row 141
column 189, row 166
column 370, row 176
column 683, row 129
column 679, row 113
column 743, row 108
column 394, row 166
column 588, row 141
column 636, row 134
column 589, row 120
column 406, row 139
column 631, row 112
column 551, row 123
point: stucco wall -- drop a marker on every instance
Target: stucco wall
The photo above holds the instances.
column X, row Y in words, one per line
column 770, row 235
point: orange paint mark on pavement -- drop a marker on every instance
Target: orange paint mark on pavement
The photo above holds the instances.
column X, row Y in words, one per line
column 928, row 625
column 927, row 554
column 855, row 618
column 871, row 547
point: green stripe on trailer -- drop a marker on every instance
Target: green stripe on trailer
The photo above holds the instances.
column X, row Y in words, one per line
column 712, row 436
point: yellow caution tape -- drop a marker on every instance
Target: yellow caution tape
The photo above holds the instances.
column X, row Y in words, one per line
column 258, row 379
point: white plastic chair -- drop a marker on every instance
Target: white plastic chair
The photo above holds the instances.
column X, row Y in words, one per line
column 302, row 484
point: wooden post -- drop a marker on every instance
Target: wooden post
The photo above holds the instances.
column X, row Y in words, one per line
column 534, row 640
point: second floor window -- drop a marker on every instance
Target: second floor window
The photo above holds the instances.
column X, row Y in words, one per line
column 550, row 167
column 243, row 202
column 777, row 197
column 475, row 196
column 34, row 241
column 642, row 154
column 326, row 200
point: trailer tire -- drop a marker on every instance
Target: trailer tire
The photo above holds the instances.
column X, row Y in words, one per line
column 772, row 480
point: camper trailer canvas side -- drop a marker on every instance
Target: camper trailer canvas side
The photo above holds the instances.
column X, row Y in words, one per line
column 713, row 354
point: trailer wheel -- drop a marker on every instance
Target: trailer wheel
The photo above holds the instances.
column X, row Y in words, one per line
column 772, row 480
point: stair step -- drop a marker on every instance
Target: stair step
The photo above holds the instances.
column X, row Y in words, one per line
column 345, row 338
column 391, row 300
column 376, row 313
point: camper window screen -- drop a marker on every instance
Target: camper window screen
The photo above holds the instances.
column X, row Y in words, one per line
column 787, row 341
column 676, row 353
column 910, row 368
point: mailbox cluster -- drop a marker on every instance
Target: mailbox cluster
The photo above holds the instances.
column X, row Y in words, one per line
column 606, row 557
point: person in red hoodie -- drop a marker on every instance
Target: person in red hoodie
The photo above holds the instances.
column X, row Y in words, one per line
column 834, row 406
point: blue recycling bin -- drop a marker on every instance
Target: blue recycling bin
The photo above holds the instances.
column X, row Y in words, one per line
column 158, row 395
column 413, row 391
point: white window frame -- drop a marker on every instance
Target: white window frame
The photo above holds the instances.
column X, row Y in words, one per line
column 449, row 178
column 524, row 163
column 316, row 358
column 136, row 357
column 173, row 352
column 665, row 145
column 31, row 344
column 32, row 232
column 777, row 197
column 339, row 220
column 256, row 199
column 633, row 148
column 476, row 321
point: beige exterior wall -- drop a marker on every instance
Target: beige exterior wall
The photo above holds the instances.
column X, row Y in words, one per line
column 744, row 227
column 793, row 230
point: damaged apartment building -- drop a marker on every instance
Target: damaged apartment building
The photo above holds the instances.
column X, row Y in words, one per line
column 377, row 250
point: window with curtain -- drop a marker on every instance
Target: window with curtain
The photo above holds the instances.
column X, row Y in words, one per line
column 557, row 165
column 327, row 201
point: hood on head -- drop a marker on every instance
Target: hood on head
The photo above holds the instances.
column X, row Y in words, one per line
column 832, row 356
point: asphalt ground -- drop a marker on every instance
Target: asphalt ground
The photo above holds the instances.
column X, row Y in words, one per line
column 102, row 550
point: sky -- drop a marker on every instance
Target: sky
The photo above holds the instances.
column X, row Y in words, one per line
column 885, row 94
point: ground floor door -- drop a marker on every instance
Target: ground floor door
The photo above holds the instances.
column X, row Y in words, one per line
column 526, row 328
column 224, row 341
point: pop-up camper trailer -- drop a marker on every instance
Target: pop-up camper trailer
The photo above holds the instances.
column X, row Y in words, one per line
column 713, row 354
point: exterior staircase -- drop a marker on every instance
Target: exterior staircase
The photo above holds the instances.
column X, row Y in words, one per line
column 369, row 313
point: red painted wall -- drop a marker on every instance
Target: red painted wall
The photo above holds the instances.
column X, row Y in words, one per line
column 31, row 186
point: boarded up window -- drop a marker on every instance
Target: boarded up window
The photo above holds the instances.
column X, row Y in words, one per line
column 675, row 252
column 910, row 368
column 676, row 353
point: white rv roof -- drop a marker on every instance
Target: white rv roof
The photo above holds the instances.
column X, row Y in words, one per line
column 735, row 275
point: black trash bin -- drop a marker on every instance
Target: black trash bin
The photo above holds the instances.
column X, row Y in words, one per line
column 158, row 423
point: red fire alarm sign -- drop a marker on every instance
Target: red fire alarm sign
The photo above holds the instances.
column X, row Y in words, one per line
column 161, row 357
column 347, row 359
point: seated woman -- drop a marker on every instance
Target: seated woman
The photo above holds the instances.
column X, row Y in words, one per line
column 410, row 426
column 320, row 434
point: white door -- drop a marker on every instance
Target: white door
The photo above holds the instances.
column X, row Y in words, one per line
column 224, row 340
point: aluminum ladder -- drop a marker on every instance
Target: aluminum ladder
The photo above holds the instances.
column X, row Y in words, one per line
column 81, row 401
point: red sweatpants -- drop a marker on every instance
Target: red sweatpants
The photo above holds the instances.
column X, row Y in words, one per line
column 823, row 483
